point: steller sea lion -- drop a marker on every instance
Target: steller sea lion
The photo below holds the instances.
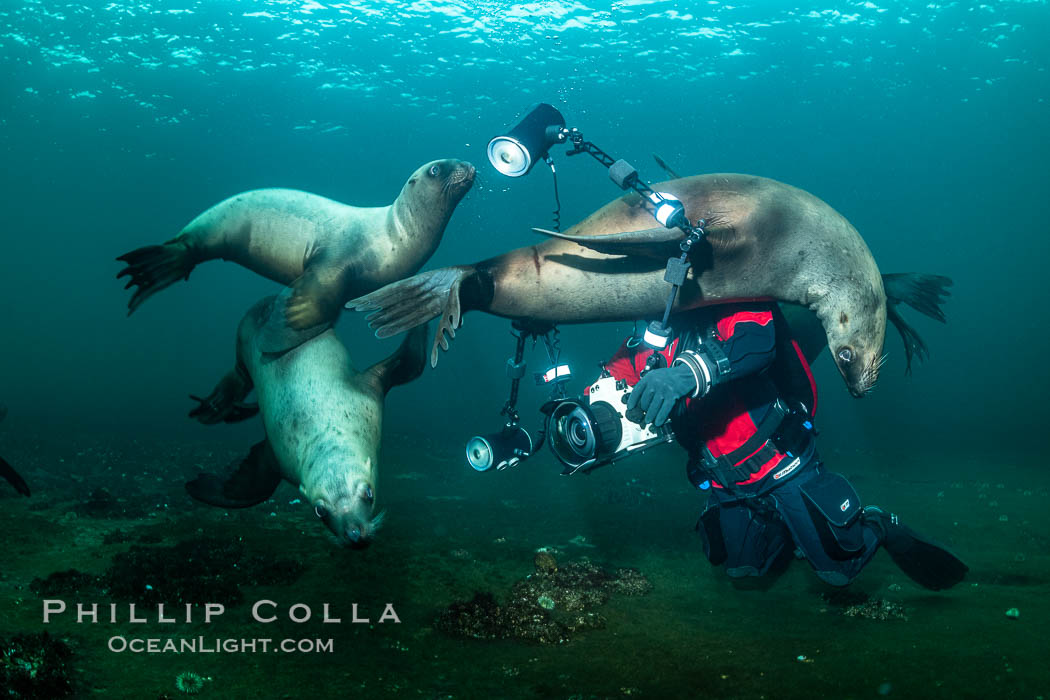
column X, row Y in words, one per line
column 326, row 251
column 765, row 240
column 322, row 420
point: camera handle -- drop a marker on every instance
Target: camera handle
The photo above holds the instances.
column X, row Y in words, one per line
column 522, row 331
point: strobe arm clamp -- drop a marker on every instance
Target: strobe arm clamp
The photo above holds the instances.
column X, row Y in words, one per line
column 669, row 212
column 522, row 331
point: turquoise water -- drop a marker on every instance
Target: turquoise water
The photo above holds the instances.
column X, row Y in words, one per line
column 923, row 123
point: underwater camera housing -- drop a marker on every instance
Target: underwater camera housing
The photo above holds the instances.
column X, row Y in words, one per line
column 587, row 433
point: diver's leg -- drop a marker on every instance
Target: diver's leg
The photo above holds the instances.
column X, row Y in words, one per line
column 823, row 513
column 744, row 534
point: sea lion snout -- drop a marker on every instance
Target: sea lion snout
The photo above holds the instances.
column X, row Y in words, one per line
column 350, row 518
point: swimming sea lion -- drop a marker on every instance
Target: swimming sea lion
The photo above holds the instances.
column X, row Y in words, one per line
column 765, row 240
column 326, row 251
column 322, row 420
column 923, row 292
column 8, row 472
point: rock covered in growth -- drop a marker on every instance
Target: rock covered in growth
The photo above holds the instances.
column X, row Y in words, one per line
column 877, row 609
column 547, row 606
column 192, row 571
column 35, row 666
column 859, row 604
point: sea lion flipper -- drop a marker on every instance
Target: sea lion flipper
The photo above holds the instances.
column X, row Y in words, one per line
column 404, row 365
column 153, row 268
column 13, row 477
column 225, row 404
column 314, row 296
column 406, row 304
column 923, row 292
column 247, row 483
column 651, row 243
column 277, row 336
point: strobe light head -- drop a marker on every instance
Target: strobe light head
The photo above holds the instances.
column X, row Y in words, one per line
column 527, row 142
column 499, row 450
column 667, row 209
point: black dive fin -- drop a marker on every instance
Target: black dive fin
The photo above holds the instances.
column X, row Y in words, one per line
column 666, row 167
column 404, row 365
column 247, row 483
column 659, row 243
column 922, row 292
column 13, row 477
column 921, row 559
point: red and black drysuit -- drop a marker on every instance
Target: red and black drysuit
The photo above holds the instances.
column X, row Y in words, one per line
column 749, row 437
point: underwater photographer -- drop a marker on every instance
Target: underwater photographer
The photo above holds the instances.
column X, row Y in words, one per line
column 741, row 398
column 737, row 392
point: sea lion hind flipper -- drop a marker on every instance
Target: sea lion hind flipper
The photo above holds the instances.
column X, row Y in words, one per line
column 276, row 335
column 914, row 345
column 404, row 305
column 246, row 483
column 923, row 292
column 225, row 404
column 153, row 268
column 658, row 243
column 13, row 477
column 404, row 365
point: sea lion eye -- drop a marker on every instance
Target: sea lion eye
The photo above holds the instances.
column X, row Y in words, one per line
column 846, row 355
column 320, row 511
column 368, row 495
column 434, row 170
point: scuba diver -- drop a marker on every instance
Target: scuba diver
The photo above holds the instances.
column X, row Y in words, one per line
column 741, row 398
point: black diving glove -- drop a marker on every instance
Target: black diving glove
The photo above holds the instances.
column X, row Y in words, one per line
column 659, row 390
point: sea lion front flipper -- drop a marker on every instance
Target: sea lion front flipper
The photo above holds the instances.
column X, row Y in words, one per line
column 659, row 243
column 13, row 477
column 246, row 483
column 412, row 302
column 404, row 365
column 276, row 335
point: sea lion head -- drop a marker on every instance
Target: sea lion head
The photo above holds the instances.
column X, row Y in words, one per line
column 440, row 184
column 855, row 323
column 347, row 510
